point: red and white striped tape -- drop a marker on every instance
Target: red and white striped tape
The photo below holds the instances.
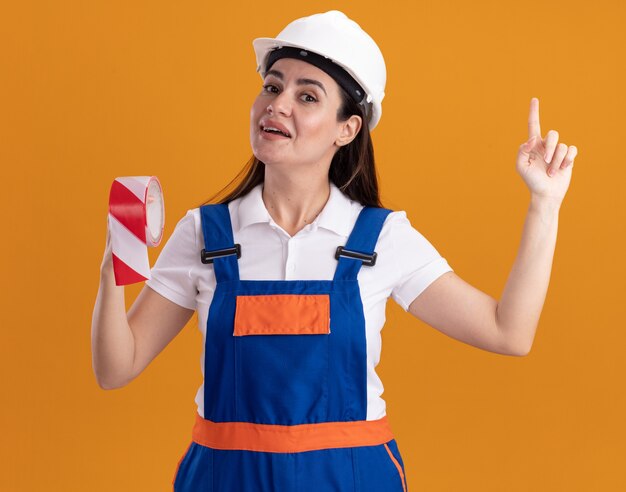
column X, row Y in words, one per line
column 136, row 219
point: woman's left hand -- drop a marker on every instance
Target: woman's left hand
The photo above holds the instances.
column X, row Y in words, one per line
column 544, row 164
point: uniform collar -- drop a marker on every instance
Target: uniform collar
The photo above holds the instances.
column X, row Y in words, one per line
column 335, row 215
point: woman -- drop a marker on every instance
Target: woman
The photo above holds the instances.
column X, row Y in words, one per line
column 290, row 274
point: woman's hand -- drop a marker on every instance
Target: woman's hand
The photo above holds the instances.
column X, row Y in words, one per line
column 545, row 166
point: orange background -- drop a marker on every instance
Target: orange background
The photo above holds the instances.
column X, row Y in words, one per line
column 94, row 90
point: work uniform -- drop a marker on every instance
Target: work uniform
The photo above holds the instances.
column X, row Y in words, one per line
column 288, row 400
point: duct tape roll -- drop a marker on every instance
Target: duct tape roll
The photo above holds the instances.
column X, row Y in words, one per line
column 136, row 220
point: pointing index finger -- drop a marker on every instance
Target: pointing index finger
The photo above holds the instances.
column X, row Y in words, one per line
column 534, row 128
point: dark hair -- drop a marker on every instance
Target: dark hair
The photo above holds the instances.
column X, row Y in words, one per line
column 352, row 169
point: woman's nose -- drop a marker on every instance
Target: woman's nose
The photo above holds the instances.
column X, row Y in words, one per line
column 281, row 103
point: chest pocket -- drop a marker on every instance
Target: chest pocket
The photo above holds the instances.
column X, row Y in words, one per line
column 282, row 314
column 281, row 351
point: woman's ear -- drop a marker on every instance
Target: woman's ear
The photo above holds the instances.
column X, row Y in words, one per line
column 349, row 130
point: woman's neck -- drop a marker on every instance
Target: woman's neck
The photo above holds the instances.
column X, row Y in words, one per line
column 294, row 203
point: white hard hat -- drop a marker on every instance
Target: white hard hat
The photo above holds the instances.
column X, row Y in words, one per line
column 340, row 39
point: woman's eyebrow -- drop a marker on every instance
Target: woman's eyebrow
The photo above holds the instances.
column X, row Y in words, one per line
column 280, row 76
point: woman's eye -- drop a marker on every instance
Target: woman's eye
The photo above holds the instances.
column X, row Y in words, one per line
column 270, row 88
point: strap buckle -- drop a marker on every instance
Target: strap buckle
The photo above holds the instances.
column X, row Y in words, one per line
column 368, row 260
column 208, row 256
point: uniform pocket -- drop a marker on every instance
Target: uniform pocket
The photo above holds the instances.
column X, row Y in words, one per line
column 379, row 468
column 282, row 314
column 397, row 465
column 180, row 461
column 281, row 352
column 194, row 470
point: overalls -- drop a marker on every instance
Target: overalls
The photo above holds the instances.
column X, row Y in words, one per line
column 285, row 379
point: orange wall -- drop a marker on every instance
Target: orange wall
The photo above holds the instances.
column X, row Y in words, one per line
column 94, row 90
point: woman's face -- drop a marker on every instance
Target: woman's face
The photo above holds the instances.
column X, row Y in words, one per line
column 301, row 100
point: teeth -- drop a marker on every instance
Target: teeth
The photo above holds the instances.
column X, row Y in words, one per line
column 272, row 129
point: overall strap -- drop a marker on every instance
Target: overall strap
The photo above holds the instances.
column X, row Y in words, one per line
column 219, row 247
column 359, row 250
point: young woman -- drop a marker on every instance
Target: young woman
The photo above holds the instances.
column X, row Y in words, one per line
column 290, row 274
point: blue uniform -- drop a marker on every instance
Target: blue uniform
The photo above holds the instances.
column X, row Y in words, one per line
column 285, row 405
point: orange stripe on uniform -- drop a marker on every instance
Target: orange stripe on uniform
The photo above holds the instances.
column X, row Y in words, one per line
column 395, row 462
column 290, row 438
column 282, row 314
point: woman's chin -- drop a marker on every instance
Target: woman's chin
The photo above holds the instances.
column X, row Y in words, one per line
column 267, row 157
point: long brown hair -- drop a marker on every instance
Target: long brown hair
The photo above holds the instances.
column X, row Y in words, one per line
column 352, row 168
